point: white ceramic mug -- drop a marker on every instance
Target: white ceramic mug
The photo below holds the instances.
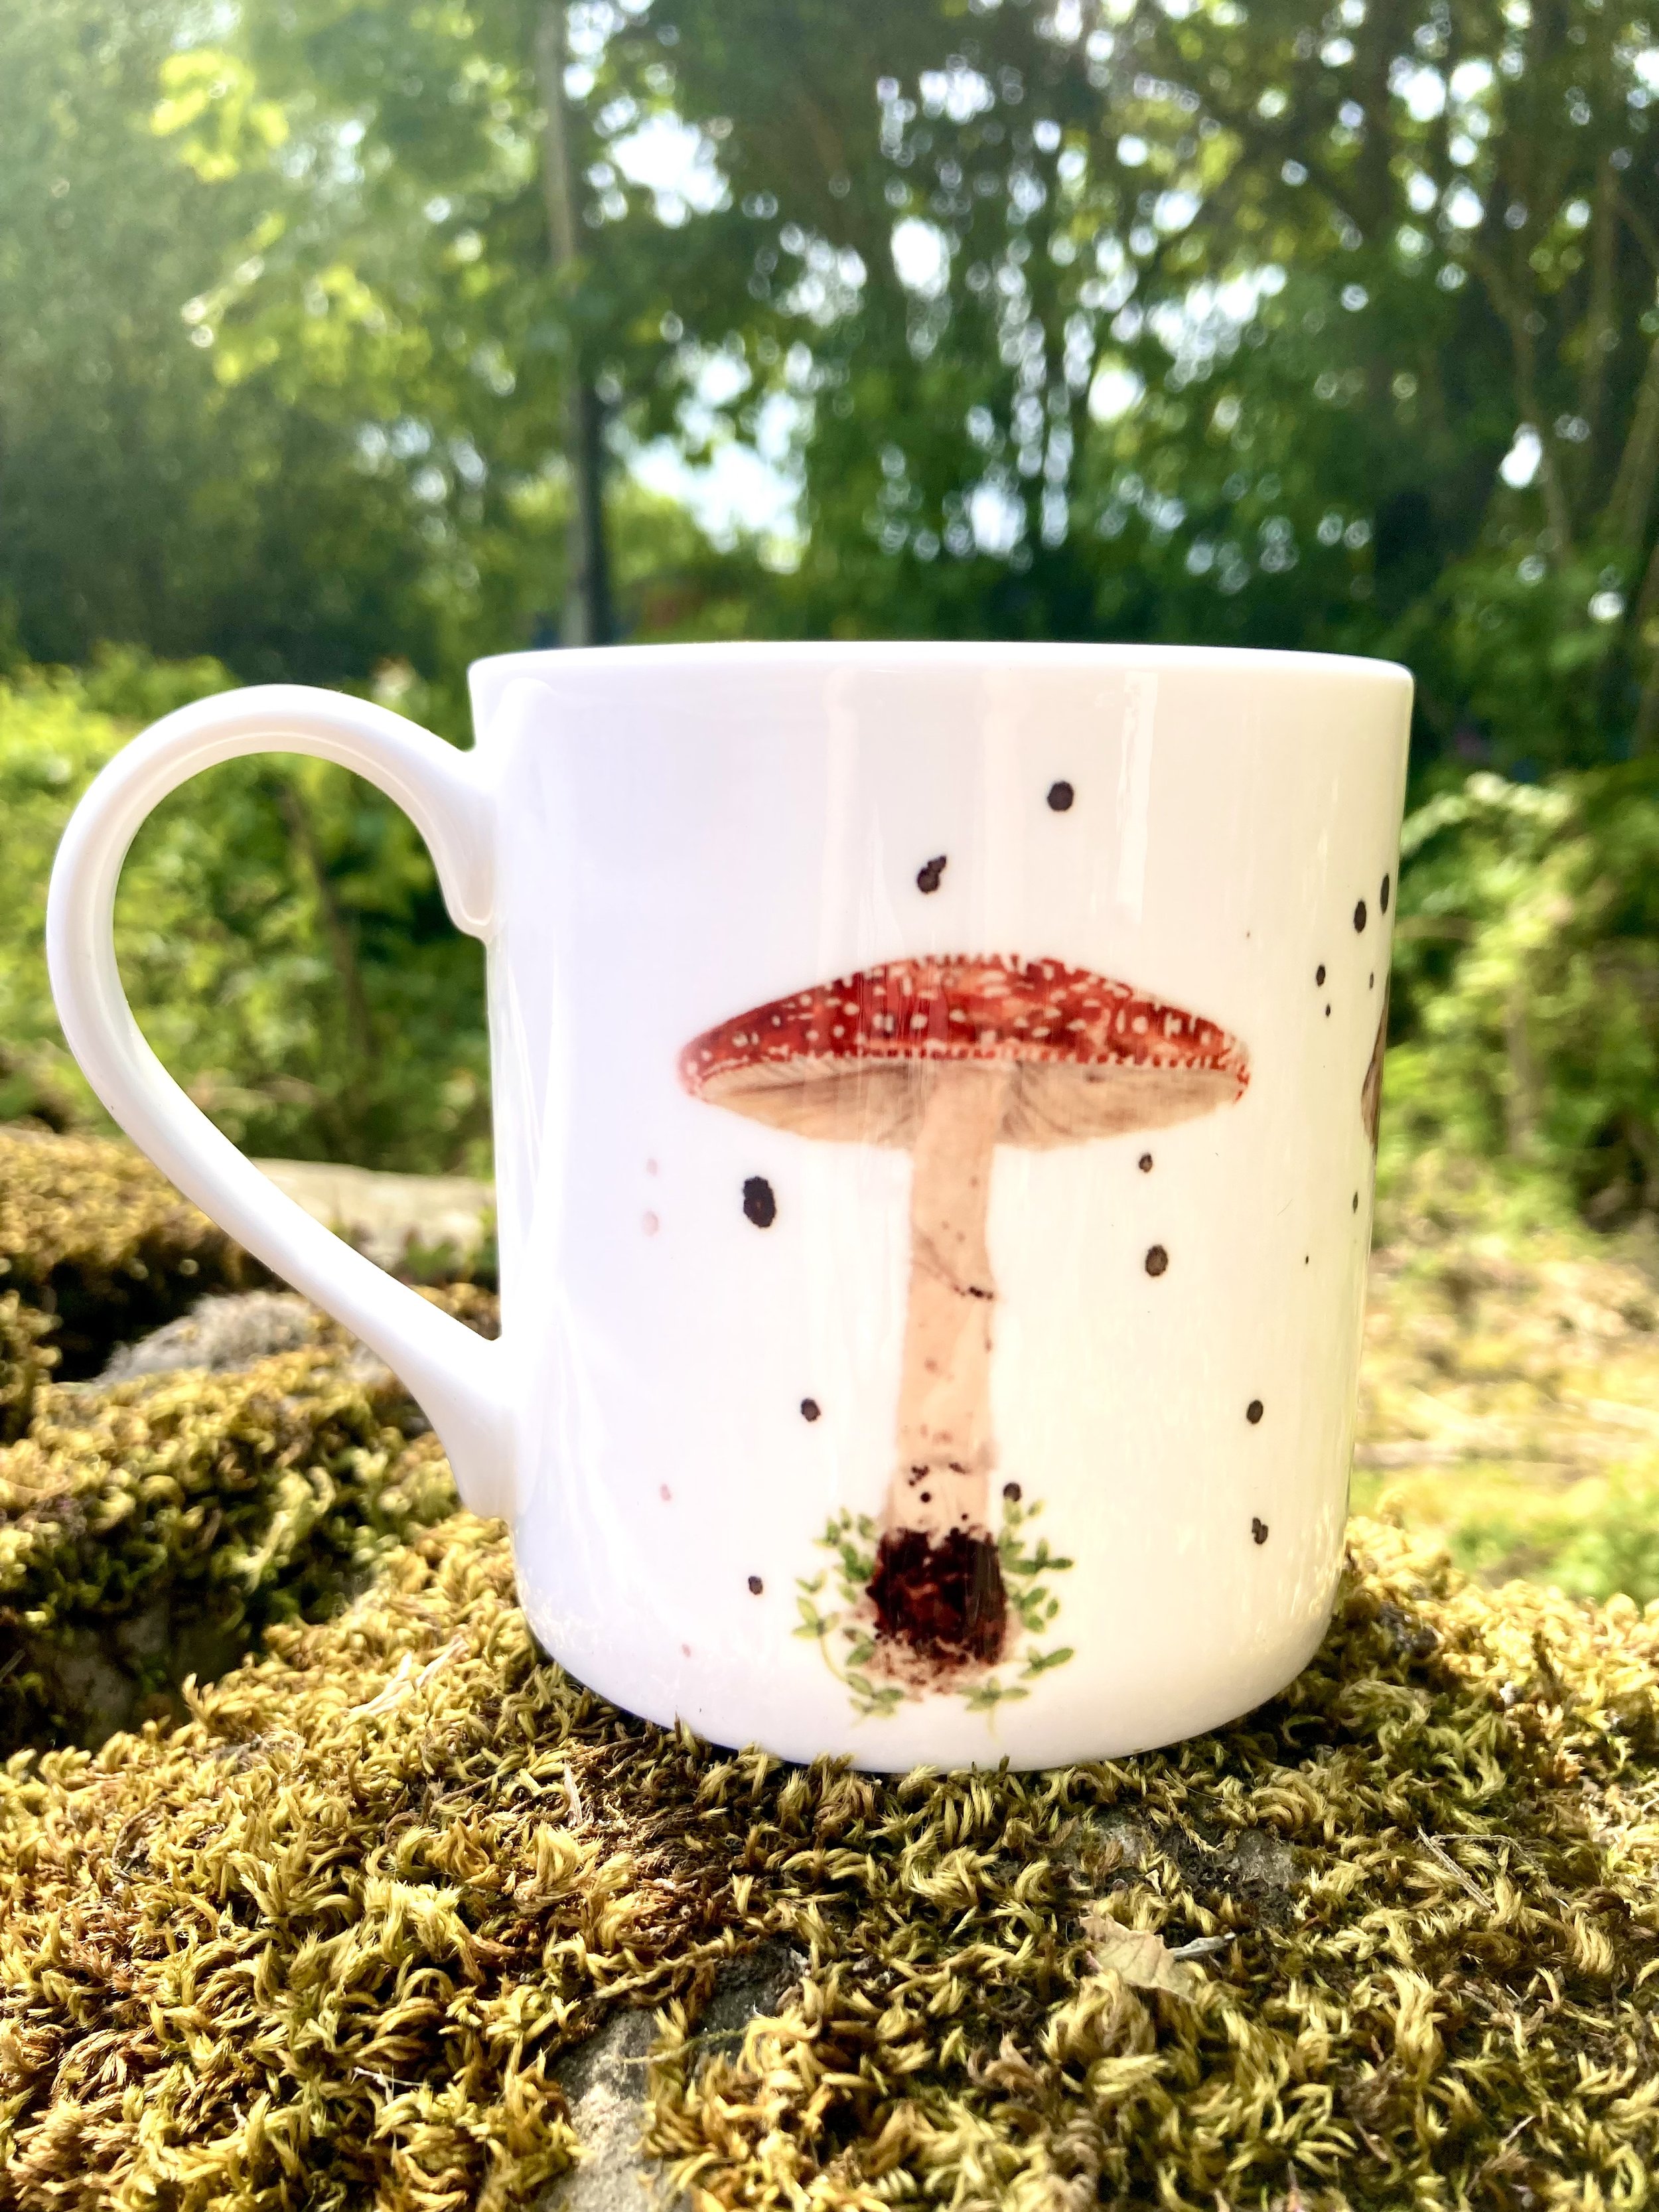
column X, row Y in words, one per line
column 935, row 1095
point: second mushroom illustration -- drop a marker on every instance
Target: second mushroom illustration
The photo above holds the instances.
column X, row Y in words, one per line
column 949, row 1058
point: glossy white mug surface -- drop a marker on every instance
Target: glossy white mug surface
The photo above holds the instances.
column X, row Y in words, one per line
column 935, row 1094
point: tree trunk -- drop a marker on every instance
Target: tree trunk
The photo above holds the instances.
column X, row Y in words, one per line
column 342, row 947
column 302, row 834
column 1644, row 617
column 1520, row 1101
column 587, row 618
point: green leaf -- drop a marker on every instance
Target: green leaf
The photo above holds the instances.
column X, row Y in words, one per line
column 984, row 1695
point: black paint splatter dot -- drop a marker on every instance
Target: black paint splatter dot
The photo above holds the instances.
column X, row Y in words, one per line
column 1253, row 1412
column 1360, row 913
column 1145, row 1164
column 1259, row 1530
column 755, row 1585
column 1383, row 897
column 928, row 875
column 1306, row 1257
column 810, row 1409
column 760, row 1202
column 1011, row 1492
column 1356, row 1201
column 1370, row 980
column 1061, row 796
column 1328, row 1010
column 1319, row 973
column 1157, row 1260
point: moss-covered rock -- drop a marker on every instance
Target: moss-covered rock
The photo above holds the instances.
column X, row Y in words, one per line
column 152, row 1528
column 1389, row 1941
column 92, row 1235
column 395, row 1913
column 27, row 1359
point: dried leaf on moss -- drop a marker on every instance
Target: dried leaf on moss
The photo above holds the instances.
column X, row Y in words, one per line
column 1142, row 1958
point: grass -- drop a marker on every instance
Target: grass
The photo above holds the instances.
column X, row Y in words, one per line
column 1510, row 1392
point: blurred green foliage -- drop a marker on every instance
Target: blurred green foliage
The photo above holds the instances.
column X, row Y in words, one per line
column 1588, row 1550
column 1333, row 327
column 1293, row 325
column 280, row 931
column 1525, row 983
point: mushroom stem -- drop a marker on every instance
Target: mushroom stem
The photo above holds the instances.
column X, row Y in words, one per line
column 945, row 1446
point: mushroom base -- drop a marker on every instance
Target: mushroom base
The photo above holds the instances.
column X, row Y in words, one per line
column 937, row 1601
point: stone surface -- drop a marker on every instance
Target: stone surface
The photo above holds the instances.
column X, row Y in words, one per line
column 390, row 1216
column 605, row 2080
column 121, row 1678
column 220, row 1334
column 1256, row 1869
column 752, row 1987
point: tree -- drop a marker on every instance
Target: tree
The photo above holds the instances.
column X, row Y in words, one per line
column 1291, row 326
column 142, row 496
column 1203, row 323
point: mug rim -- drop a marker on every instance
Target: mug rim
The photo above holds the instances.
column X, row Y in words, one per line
column 966, row 654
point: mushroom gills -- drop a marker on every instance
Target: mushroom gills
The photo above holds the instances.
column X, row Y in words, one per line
column 1043, row 1104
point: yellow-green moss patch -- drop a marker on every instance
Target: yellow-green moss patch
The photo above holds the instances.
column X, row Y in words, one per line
column 326, row 1945
column 154, row 1529
column 91, row 1233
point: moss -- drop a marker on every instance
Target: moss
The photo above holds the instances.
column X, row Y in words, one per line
column 155, row 1528
column 26, row 1361
column 326, row 1944
column 92, row 1234
column 329, row 1931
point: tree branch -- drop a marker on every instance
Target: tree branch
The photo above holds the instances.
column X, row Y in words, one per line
column 302, row 834
column 1640, row 228
column 1645, row 736
column 1627, row 514
column 1556, row 509
column 1601, row 334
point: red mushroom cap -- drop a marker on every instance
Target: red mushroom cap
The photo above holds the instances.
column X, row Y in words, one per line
column 855, row 1059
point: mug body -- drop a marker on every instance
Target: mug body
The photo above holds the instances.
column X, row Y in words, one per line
column 935, row 1093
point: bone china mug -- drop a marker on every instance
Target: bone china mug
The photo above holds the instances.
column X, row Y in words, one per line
column 935, row 1094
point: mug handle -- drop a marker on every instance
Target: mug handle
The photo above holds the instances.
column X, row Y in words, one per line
column 459, row 1378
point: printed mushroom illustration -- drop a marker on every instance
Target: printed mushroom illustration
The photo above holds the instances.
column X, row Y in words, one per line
column 949, row 1058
